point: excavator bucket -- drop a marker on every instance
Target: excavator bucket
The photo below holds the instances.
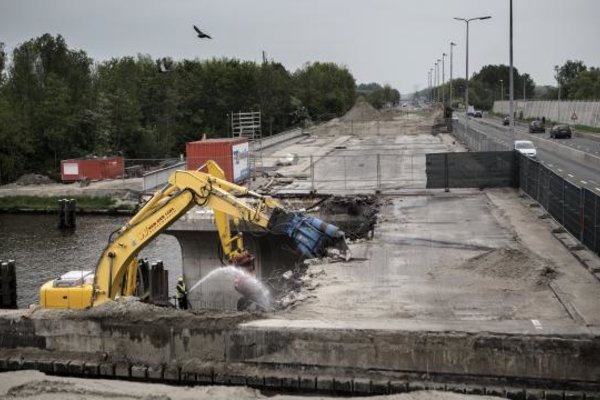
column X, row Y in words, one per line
column 313, row 237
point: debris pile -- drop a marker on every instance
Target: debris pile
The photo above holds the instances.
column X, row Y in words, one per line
column 514, row 264
column 362, row 111
column 33, row 179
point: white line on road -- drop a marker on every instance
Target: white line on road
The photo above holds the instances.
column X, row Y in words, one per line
column 598, row 189
column 570, row 175
column 537, row 324
column 560, row 170
column 584, row 182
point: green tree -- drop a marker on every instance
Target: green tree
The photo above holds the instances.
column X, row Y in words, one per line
column 384, row 96
column 586, row 86
column 47, row 88
column 567, row 74
column 325, row 89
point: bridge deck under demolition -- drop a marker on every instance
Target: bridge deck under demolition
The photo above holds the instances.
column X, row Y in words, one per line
column 460, row 291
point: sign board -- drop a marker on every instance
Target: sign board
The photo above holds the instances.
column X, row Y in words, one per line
column 574, row 116
column 70, row 169
column 240, row 154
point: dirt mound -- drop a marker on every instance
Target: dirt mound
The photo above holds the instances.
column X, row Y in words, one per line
column 33, row 179
column 515, row 264
column 362, row 111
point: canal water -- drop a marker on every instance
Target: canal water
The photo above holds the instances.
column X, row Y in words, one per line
column 42, row 252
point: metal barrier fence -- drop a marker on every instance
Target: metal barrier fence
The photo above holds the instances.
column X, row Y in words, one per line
column 338, row 174
column 577, row 209
column 326, row 174
column 472, row 169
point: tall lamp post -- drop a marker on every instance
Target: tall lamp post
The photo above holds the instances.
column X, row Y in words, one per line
column 429, row 83
column 452, row 44
column 467, row 20
column 443, row 79
column 511, row 82
column 501, row 90
column 556, row 68
column 435, row 81
column 438, row 65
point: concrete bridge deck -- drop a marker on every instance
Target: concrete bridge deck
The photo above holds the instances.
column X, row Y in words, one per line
column 468, row 290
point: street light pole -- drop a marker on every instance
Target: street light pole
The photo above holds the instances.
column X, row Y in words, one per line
column 431, row 93
column 501, row 90
column 467, row 64
column 435, row 74
column 438, row 77
column 510, row 75
column 443, row 80
column 429, row 83
column 558, row 85
column 452, row 44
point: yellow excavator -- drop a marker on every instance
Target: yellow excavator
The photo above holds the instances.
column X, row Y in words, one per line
column 116, row 272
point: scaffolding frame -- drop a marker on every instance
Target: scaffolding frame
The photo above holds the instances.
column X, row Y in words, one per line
column 246, row 124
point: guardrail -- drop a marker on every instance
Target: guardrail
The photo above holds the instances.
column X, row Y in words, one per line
column 260, row 144
column 156, row 179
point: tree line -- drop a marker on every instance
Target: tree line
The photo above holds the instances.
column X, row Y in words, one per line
column 575, row 79
column 379, row 96
column 57, row 103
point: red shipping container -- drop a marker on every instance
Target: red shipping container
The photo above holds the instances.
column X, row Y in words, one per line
column 92, row 169
column 230, row 153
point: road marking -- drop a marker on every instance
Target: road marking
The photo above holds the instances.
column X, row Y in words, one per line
column 537, row 324
column 584, row 182
column 598, row 189
column 559, row 169
column 570, row 176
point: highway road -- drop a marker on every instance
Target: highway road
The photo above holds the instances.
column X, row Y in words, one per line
column 579, row 143
column 574, row 171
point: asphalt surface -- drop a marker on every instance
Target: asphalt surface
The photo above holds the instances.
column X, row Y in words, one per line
column 577, row 173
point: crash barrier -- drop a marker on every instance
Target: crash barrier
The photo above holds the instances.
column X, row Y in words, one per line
column 67, row 213
column 263, row 143
column 8, row 284
column 158, row 178
column 471, row 170
column 576, row 208
column 477, row 141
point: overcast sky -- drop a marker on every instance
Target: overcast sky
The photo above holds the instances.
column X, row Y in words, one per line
column 387, row 41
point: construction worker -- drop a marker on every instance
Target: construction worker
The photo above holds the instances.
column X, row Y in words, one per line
column 181, row 294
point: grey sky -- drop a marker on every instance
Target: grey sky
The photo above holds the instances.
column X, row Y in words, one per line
column 388, row 41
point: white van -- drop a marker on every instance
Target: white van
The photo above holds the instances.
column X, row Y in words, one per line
column 525, row 147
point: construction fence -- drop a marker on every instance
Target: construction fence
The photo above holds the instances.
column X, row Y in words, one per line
column 576, row 208
column 483, row 169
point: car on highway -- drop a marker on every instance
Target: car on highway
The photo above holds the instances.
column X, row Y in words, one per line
column 478, row 114
column 560, row 131
column 537, row 126
column 525, row 147
column 506, row 121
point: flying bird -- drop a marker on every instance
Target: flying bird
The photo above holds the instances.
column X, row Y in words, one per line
column 201, row 34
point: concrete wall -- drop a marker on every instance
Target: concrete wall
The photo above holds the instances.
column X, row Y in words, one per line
column 588, row 112
column 147, row 343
